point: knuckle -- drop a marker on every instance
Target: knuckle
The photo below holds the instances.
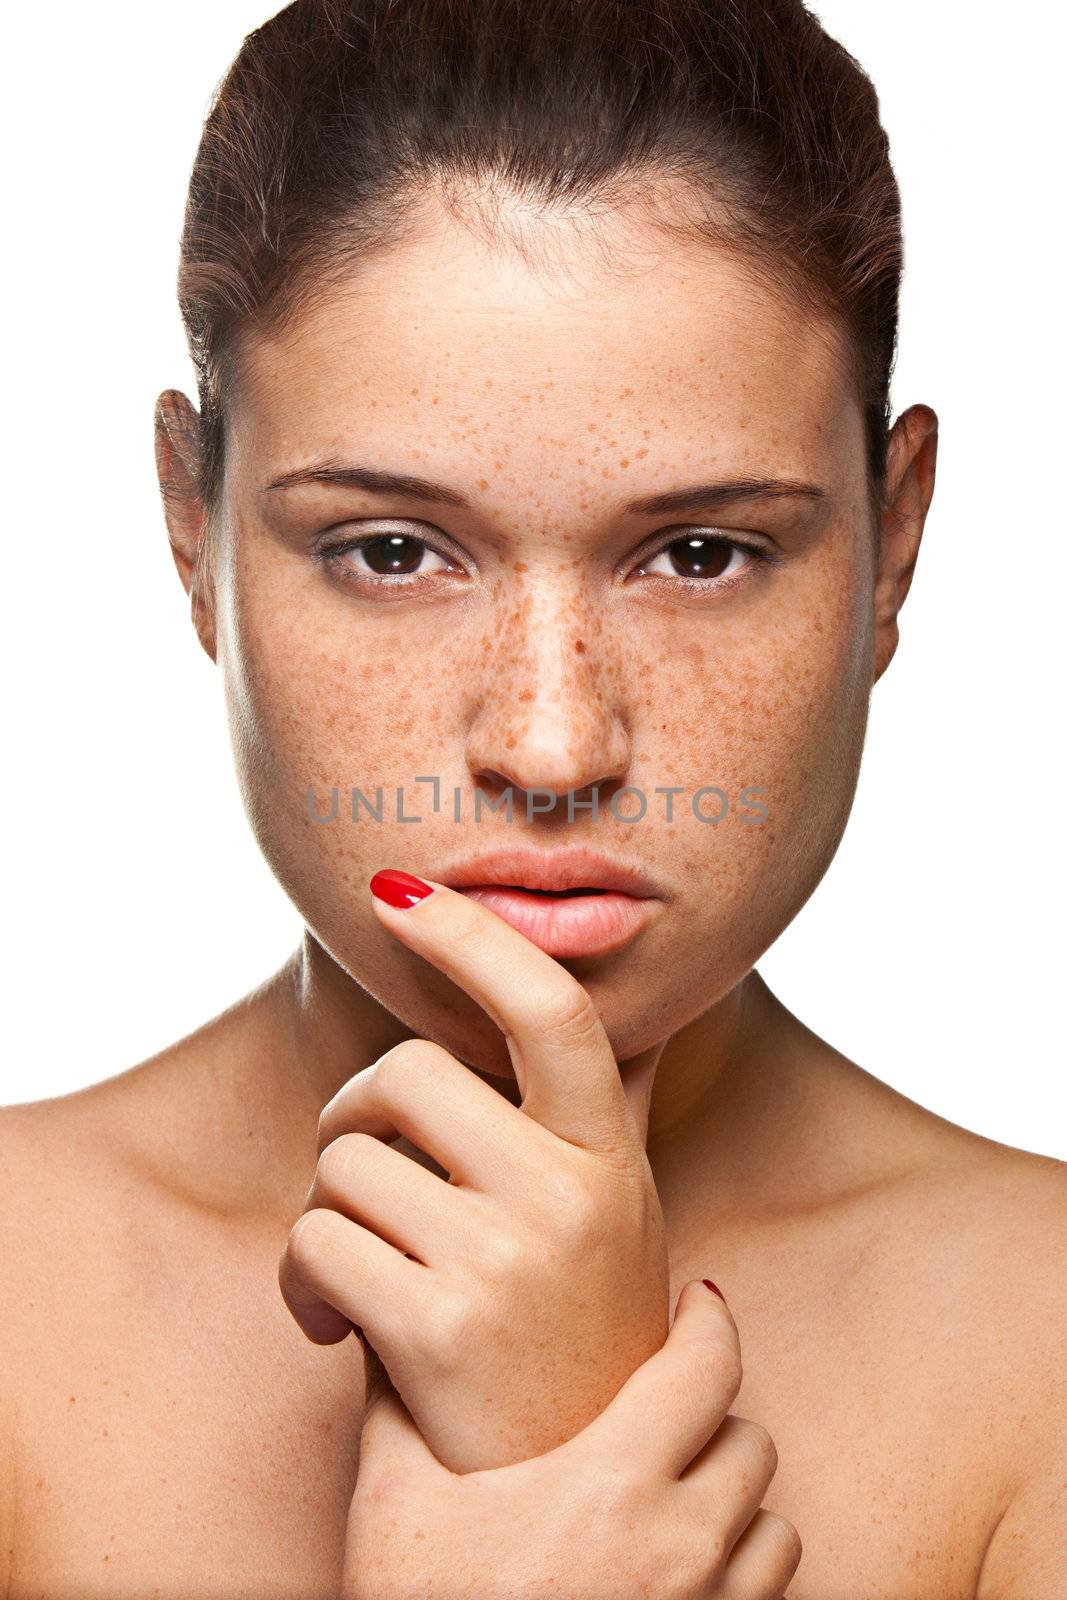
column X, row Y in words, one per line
column 713, row 1551
column 405, row 1066
column 695, row 1381
column 310, row 1238
column 566, row 1195
column 502, row 1254
column 716, row 1360
column 569, row 1014
column 339, row 1159
column 469, row 923
column 445, row 1332
column 785, row 1541
column 761, row 1444
column 729, row 1367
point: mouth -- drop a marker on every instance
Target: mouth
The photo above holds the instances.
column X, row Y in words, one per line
column 569, row 903
column 567, row 922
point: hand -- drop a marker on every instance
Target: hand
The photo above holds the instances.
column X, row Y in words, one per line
column 509, row 1303
column 659, row 1495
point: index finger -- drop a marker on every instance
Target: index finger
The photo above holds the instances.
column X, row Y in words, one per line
column 566, row 1070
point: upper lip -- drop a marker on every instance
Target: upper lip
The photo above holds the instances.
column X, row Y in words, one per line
column 527, row 868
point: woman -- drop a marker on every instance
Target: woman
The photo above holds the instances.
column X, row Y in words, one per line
column 543, row 464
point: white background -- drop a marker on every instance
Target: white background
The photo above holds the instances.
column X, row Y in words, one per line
column 138, row 904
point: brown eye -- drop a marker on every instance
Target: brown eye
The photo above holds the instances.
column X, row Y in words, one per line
column 385, row 555
column 701, row 558
column 393, row 553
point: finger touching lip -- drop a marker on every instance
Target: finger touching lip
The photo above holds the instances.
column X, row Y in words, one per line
column 554, row 1035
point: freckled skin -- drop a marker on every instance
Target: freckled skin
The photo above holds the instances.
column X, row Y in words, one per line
column 855, row 1235
column 544, row 663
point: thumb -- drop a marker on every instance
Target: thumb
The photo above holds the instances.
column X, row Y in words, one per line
column 389, row 1440
column 687, row 1385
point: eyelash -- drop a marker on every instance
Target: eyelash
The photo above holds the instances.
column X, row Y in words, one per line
column 333, row 554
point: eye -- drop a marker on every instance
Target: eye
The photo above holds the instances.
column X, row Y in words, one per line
column 385, row 556
column 704, row 561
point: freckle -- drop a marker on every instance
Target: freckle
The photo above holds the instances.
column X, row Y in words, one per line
column 72, row 1399
column 103, row 1432
column 435, row 399
column 483, row 484
column 414, row 391
column 520, row 566
column 590, row 427
column 625, row 462
column 488, row 383
column 579, row 645
column 625, row 394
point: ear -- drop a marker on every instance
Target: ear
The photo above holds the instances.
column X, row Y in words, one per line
column 910, row 468
column 177, row 430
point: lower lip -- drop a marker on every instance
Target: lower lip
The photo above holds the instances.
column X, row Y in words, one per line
column 568, row 925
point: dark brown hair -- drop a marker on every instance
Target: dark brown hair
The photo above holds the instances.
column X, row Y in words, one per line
column 336, row 114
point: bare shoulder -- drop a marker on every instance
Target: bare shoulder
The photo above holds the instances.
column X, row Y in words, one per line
column 1017, row 1265
column 88, row 1178
column 987, row 1225
column 68, row 1178
column 61, row 1186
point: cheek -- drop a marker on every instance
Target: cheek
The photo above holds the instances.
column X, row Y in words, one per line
column 318, row 702
column 775, row 701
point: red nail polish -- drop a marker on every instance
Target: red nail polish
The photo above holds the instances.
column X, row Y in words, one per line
column 399, row 888
column 713, row 1287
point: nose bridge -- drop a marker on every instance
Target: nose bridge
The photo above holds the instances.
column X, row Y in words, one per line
column 549, row 710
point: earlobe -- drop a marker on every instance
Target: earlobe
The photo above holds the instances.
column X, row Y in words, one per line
column 177, row 442
column 910, row 473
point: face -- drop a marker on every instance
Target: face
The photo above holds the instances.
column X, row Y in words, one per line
column 536, row 630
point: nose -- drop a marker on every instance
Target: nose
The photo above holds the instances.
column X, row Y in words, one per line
column 549, row 708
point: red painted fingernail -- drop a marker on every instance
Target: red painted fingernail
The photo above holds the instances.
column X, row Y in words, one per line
column 713, row 1287
column 399, row 888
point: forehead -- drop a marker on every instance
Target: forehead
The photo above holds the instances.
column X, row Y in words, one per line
column 623, row 343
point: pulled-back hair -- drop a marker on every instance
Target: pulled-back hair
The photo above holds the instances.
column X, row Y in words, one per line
column 336, row 115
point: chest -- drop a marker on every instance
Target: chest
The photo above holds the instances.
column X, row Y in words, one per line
column 175, row 1450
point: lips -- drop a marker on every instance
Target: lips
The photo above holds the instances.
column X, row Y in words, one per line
column 556, row 871
column 570, row 903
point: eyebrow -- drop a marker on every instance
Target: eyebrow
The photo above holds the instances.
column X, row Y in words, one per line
column 403, row 484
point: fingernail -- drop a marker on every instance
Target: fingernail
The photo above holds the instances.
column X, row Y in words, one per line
column 399, row 888
column 713, row 1287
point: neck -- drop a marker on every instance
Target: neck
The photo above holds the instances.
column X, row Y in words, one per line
column 719, row 1088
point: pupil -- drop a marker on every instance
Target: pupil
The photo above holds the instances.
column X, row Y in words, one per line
column 705, row 557
column 393, row 553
